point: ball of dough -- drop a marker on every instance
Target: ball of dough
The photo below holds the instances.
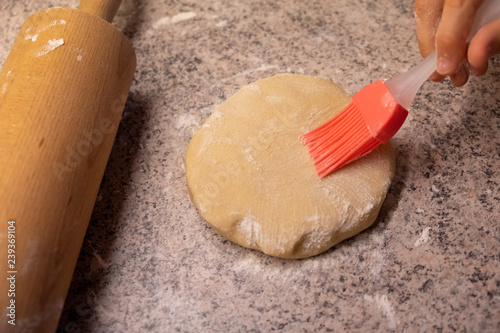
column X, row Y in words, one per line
column 253, row 180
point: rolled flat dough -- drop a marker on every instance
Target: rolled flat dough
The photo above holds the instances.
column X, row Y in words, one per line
column 253, row 180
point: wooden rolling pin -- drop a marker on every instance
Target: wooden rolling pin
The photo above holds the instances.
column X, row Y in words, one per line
column 63, row 88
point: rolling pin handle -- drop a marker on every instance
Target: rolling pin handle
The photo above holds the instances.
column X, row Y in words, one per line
column 105, row 9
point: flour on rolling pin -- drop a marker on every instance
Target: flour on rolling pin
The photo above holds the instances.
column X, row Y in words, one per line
column 33, row 35
column 10, row 77
column 50, row 46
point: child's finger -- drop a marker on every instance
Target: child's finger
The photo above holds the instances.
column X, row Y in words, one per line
column 427, row 15
column 452, row 33
column 484, row 45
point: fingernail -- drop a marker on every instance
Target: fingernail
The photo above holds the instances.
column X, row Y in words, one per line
column 443, row 66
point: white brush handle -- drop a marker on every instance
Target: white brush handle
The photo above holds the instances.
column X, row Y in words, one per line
column 405, row 86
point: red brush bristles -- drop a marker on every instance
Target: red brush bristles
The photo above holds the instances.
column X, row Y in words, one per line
column 372, row 118
column 339, row 141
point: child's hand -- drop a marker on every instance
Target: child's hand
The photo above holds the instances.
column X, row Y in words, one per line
column 445, row 25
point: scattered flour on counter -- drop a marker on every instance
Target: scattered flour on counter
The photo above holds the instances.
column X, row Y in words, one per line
column 183, row 16
column 377, row 261
column 386, row 307
column 186, row 120
column 261, row 68
column 284, row 274
column 50, row 46
column 174, row 19
column 100, row 260
column 221, row 24
column 424, row 237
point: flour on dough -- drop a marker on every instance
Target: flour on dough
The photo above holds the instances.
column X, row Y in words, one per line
column 253, row 180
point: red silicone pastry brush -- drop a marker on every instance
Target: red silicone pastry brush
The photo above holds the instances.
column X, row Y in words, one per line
column 377, row 111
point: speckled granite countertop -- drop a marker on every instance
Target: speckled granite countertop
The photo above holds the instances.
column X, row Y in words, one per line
column 431, row 262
